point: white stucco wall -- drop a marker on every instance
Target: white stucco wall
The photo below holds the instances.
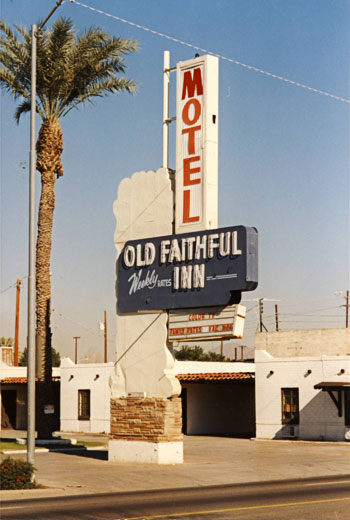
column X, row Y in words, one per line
column 318, row 414
column 84, row 378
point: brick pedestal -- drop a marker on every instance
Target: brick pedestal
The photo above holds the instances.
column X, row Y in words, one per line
column 146, row 430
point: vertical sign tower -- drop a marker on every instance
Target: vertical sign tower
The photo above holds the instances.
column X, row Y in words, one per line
column 197, row 145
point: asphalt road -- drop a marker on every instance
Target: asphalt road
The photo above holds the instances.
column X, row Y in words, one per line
column 326, row 498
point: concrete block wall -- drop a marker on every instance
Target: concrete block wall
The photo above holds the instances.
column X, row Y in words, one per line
column 299, row 343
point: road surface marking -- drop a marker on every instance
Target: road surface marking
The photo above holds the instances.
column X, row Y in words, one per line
column 328, row 483
column 13, row 507
column 246, row 508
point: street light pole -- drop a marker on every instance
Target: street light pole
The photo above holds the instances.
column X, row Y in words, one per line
column 31, row 266
column 31, row 317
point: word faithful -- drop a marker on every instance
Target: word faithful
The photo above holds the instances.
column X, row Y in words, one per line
column 200, row 247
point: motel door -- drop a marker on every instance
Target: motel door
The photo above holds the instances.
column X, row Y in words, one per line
column 8, row 409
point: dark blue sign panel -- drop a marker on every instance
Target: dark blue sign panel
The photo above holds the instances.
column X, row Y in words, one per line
column 200, row 269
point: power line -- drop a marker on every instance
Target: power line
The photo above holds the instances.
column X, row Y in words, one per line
column 321, row 320
column 13, row 285
column 289, row 315
column 206, row 51
column 91, row 330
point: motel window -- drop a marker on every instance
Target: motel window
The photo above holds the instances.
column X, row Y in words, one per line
column 347, row 406
column 84, row 405
column 290, row 405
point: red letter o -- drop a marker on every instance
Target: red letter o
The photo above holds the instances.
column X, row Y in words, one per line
column 197, row 111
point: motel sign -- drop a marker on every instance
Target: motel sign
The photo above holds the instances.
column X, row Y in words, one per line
column 200, row 265
column 189, row 270
column 196, row 144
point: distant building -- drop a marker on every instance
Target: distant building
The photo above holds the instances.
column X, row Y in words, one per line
column 13, row 396
column 303, row 384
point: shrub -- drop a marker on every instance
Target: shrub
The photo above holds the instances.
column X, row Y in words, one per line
column 16, row 474
column 196, row 353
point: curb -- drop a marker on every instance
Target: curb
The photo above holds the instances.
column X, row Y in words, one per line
column 302, row 441
column 16, row 494
column 48, row 450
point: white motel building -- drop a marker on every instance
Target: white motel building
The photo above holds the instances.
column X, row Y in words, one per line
column 297, row 388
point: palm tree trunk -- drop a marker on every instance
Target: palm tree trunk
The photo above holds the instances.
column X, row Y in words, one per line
column 49, row 148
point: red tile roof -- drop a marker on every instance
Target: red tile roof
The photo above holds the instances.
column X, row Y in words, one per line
column 21, row 380
column 217, row 376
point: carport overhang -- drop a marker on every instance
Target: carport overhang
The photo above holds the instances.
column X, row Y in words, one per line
column 335, row 390
column 222, row 377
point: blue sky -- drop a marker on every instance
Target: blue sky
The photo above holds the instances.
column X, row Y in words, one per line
column 283, row 158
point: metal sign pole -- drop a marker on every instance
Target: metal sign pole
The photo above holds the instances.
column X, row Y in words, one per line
column 166, row 79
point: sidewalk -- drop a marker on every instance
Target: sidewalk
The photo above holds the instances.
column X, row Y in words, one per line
column 208, row 461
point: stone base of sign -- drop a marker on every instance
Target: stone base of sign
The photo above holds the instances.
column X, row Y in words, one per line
column 146, row 430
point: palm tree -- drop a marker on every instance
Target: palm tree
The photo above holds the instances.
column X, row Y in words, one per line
column 6, row 342
column 71, row 69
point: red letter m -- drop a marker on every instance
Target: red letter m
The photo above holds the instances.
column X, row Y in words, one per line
column 192, row 83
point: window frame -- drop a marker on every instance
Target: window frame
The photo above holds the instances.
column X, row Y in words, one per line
column 84, row 404
column 290, row 398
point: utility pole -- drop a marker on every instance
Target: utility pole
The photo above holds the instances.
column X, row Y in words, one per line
column 105, row 334
column 18, row 299
column 261, row 310
column 346, row 310
column 76, row 349
column 276, row 317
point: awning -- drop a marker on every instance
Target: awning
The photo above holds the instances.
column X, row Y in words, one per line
column 21, row 380
column 335, row 386
column 217, row 376
column 332, row 385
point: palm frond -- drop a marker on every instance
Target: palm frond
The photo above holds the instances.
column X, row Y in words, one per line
column 71, row 68
column 21, row 109
column 99, row 90
column 9, row 82
column 25, row 34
